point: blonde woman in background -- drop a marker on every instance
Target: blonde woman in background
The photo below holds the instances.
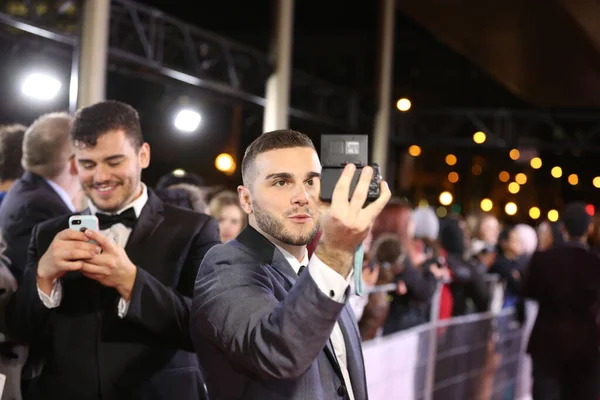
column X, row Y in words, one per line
column 226, row 209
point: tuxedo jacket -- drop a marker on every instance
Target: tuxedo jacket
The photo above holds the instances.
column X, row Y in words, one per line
column 89, row 352
column 30, row 201
column 262, row 332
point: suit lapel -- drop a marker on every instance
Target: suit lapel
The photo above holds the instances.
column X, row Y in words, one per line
column 267, row 253
column 148, row 221
column 355, row 362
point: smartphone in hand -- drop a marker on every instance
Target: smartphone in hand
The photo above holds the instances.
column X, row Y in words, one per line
column 83, row 222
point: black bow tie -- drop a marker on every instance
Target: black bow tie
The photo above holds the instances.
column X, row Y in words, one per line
column 126, row 218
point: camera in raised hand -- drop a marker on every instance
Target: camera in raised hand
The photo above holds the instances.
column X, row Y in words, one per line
column 336, row 152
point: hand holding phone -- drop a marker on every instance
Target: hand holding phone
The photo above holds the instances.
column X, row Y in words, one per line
column 67, row 252
column 83, row 222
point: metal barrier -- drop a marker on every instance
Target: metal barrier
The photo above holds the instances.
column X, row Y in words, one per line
column 476, row 356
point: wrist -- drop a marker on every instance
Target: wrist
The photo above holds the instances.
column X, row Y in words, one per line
column 45, row 283
column 126, row 288
column 339, row 260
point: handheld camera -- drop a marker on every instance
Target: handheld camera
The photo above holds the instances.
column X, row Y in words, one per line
column 339, row 150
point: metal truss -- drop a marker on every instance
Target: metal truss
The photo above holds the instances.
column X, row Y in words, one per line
column 147, row 38
column 543, row 130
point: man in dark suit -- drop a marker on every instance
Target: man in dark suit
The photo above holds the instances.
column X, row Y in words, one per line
column 112, row 318
column 46, row 189
column 263, row 328
column 565, row 281
column 11, row 151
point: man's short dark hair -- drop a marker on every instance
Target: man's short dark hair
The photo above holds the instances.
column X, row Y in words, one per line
column 576, row 220
column 94, row 121
column 11, row 151
column 274, row 140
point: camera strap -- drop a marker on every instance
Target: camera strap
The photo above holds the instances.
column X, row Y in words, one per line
column 359, row 255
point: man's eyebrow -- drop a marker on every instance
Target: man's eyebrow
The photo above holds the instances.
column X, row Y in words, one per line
column 279, row 175
column 287, row 175
column 114, row 157
column 107, row 159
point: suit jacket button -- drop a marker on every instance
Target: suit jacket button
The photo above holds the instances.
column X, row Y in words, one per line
column 341, row 391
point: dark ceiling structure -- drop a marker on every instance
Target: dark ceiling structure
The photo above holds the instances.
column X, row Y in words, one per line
column 527, row 72
column 544, row 51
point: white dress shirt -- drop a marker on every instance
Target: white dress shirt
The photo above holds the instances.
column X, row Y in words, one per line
column 334, row 286
column 62, row 193
column 119, row 233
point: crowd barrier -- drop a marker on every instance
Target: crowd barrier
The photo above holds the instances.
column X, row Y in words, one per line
column 477, row 356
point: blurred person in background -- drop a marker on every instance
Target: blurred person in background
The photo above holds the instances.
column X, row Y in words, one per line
column 192, row 197
column 47, row 188
column 594, row 239
column 182, row 189
column 550, row 234
column 565, row 281
column 177, row 177
column 11, row 151
column 468, row 287
column 409, row 307
column 529, row 240
column 435, row 266
column 509, row 264
column 482, row 255
column 487, row 229
column 12, row 355
column 387, row 257
column 226, row 209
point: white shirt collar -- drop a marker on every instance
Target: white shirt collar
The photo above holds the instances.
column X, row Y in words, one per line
column 293, row 261
column 137, row 204
column 62, row 193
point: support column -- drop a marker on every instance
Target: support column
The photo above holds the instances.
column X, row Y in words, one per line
column 278, row 85
column 381, row 133
column 93, row 52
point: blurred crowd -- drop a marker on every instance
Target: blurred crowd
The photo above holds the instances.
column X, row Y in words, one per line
column 409, row 250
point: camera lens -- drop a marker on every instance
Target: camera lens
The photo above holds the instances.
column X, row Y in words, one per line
column 77, row 222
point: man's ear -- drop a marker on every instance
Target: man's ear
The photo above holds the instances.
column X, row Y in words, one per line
column 144, row 155
column 245, row 199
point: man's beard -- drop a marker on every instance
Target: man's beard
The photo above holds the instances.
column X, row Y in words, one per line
column 273, row 227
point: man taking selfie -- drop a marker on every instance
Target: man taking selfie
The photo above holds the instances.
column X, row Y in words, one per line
column 111, row 317
column 267, row 322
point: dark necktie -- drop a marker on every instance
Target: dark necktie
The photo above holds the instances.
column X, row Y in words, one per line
column 302, row 268
column 126, row 218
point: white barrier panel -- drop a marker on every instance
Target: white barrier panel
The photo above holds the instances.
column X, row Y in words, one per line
column 391, row 365
column 397, row 365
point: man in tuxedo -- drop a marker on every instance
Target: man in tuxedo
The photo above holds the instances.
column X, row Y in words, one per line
column 45, row 190
column 110, row 309
column 263, row 328
column 565, row 281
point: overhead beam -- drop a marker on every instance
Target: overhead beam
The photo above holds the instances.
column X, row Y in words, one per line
column 544, row 130
column 147, row 37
